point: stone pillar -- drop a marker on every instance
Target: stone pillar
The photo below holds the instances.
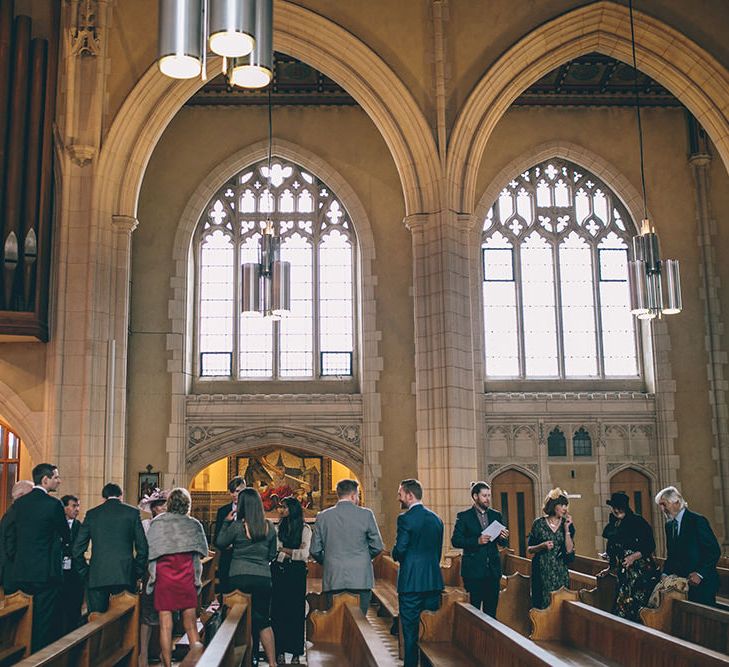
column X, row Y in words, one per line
column 445, row 395
column 700, row 162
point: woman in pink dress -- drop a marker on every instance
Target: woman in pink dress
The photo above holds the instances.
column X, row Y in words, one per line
column 177, row 544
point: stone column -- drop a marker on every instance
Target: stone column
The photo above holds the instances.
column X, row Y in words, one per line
column 445, row 395
column 700, row 162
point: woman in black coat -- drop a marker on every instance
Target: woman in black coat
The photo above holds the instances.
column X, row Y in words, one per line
column 630, row 547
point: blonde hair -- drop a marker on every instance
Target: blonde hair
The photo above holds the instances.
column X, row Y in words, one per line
column 179, row 501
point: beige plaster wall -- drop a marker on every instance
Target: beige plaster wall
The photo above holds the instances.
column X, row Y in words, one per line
column 611, row 134
column 196, row 141
column 581, row 509
column 23, row 369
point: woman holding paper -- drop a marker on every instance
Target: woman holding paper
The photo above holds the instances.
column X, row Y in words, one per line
column 551, row 543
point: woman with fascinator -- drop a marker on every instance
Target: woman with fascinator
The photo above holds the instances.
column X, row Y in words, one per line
column 551, row 542
column 630, row 547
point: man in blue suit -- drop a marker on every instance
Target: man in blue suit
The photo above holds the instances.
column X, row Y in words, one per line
column 417, row 548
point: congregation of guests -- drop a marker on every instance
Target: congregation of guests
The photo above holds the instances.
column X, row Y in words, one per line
column 43, row 550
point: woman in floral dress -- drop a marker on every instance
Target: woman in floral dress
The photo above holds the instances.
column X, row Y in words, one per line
column 551, row 543
column 630, row 547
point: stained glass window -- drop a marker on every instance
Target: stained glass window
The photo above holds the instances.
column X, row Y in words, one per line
column 555, row 281
column 317, row 237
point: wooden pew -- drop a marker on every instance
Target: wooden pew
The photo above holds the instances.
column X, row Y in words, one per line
column 458, row 635
column 512, row 563
column 16, row 620
column 515, row 601
column 574, row 631
column 589, row 565
column 450, row 568
column 110, row 639
column 602, row 596
column 343, row 636
column 385, row 589
column 696, row 623
column 231, row 646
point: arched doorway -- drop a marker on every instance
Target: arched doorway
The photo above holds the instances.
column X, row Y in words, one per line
column 638, row 488
column 512, row 492
column 276, row 472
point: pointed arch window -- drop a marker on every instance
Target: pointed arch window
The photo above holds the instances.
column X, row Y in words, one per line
column 581, row 442
column 556, row 443
column 555, row 284
column 317, row 338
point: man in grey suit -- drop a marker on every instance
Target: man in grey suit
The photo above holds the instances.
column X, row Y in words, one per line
column 119, row 549
column 346, row 539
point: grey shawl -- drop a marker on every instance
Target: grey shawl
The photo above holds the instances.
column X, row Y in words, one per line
column 175, row 534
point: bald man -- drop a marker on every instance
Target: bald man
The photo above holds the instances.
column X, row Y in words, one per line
column 19, row 489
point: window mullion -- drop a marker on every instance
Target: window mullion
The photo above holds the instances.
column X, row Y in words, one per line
column 558, row 304
column 315, row 309
column 237, row 277
column 519, row 309
column 598, row 310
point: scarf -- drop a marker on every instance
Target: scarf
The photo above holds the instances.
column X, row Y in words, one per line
column 176, row 534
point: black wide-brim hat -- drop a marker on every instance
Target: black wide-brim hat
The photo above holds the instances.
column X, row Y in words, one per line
column 619, row 500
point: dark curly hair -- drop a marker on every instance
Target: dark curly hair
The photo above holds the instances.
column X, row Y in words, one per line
column 550, row 504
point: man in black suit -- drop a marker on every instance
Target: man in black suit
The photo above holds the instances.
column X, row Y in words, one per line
column 418, row 549
column 34, row 539
column 119, row 552
column 72, row 592
column 235, row 486
column 693, row 550
column 480, row 564
column 20, row 488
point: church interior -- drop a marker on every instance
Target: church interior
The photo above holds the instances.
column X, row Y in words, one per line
column 454, row 186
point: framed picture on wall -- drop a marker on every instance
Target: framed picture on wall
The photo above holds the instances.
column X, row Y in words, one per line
column 279, row 474
column 148, row 482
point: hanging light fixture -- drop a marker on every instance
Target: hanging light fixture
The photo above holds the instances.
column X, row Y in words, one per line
column 255, row 70
column 266, row 285
column 655, row 284
column 239, row 30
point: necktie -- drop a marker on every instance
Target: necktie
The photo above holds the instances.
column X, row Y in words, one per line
column 672, row 530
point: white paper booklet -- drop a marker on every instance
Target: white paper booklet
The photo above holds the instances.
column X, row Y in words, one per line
column 493, row 530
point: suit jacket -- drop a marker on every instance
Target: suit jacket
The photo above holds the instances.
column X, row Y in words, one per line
column 418, row 549
column 34, row 535
column 226, row 554
column 695, row 550
column 68, row 545
column 479, row 561
column 119, row 546
column 346, row 539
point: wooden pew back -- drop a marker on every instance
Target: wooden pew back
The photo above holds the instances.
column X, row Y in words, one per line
column 627, row 643
column 602, row 596
column 480, row 637
column 515, row 601
column 16, row 621
column 343, row 628
column 108, row 639
column 231, row 646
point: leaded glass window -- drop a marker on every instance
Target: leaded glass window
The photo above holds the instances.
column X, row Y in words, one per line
column 555, row 282
column 317, row 237
column 581, row 443
column 556, row 443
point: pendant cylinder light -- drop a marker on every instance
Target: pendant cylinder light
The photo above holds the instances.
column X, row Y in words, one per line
column 280, row 288
column 672, row 287
column 180, row 38
column 232, row 27
column 638, row 287
column 251, row 289
column 256, row 69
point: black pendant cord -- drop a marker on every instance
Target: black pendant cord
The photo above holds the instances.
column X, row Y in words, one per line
column 637, row 110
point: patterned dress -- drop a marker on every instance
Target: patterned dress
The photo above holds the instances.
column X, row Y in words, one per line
column 549, row 568
column 635, row 583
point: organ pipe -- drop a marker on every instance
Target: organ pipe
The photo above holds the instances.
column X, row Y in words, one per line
column 17, row 126
column 6, row 46
column 33, row 153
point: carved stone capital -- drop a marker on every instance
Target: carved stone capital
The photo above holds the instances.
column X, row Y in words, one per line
column 85, row 40
column 81, row 154
column 124, row 224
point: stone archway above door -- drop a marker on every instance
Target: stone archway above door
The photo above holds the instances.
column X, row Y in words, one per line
column 208, row 443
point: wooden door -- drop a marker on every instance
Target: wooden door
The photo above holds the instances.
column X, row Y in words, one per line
column 637, row 486
column 512, row 493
